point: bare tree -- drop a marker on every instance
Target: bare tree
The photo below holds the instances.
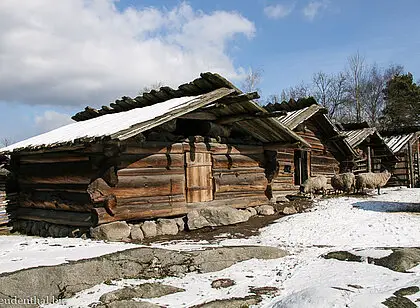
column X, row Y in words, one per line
column 355, row 76
column 373, row 96
column 322, row 88
column 338, row 96
column 5, row 141
column 252, row 81
column 273, row 99
column 296, row 92
column 154, row 86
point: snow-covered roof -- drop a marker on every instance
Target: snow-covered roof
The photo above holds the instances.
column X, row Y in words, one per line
column 122, row 125
column 119, row 126
column 396, row 143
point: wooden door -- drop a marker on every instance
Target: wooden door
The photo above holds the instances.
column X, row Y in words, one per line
column 301, row 163
column 199, row 179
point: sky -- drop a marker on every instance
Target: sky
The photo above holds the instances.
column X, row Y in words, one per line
column 56, row 57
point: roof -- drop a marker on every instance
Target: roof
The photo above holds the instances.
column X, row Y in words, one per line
column 305, row 109
column 357, row 136
column 207, row 82
column 122, row 125
column 396, row 143
column 293, row 118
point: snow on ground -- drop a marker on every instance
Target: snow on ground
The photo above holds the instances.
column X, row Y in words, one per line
column 18, row 252
column 305, row 279
column 359, row 225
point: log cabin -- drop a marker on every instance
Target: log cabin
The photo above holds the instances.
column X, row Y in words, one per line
column 159, row 154
column 329, row 153
column 405, row 144
column 4, row 220
column 374, row 155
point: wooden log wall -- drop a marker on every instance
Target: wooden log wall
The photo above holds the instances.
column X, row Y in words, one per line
column 240, row 176
column 152, row 179
column 321, row 160
column 140, row 181
column 53, row 188
column 283, row 183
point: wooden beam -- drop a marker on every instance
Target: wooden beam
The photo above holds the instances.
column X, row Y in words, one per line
column 228, row 100
column 274, row 146
column 249, row 116
column 369, row 160
column 410, row 165
column 199, row 115
column 418, row 158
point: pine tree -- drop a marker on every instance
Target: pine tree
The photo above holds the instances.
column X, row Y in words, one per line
column 402, row 102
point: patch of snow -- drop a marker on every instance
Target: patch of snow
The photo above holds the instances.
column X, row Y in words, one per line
column 19, row 252
column 371, row 252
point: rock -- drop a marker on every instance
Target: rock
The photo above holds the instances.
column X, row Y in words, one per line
column 146, row 290
column 246, row 213
column 180, row 222
column 289, row 210
column 399, row 302
column 136, row 263
column 166, row 227
column 114, row 231
column 232, row 302
column 282, row 199
column 407, row 291
column 128, row 304
column 265, row 210
column 208, row 261
column 273, row 291
column 252, row 211
column 149, row 229
column 215, row 216
column 136, row 233
column 342, row 256
column 222, row 283
column 401, row 259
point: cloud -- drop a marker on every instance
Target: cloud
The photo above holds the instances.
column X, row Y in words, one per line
column 78, row 52
column 313, row 8
column 50, row 120
column 278, row 11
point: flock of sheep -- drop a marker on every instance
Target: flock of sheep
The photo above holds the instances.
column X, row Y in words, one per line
column 345, row 182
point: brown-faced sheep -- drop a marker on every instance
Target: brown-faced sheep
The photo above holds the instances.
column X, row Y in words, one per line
column 372, row 180
column 314, row 184
column 343, row 182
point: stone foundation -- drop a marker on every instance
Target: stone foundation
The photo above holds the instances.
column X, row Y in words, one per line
column 45, row 229
column 137, row 232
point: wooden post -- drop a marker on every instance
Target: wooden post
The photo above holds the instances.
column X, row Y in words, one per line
column 418, row 158
column 369, row 162
column 410, row 165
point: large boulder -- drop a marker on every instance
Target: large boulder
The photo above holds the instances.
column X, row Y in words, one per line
column 252, row 211
column 213, row 216
column 136, row 233
column 114, row 231
column 265, row 210
column 146, row 290
column 289, row 210
column 166, row 227
column 180, row 222
column 149, row 229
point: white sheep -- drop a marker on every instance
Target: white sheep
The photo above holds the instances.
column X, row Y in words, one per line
column 372, row 180
column 313, row 184
column 343, row 182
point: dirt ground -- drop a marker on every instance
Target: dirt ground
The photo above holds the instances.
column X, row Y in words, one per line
column 241, row 230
